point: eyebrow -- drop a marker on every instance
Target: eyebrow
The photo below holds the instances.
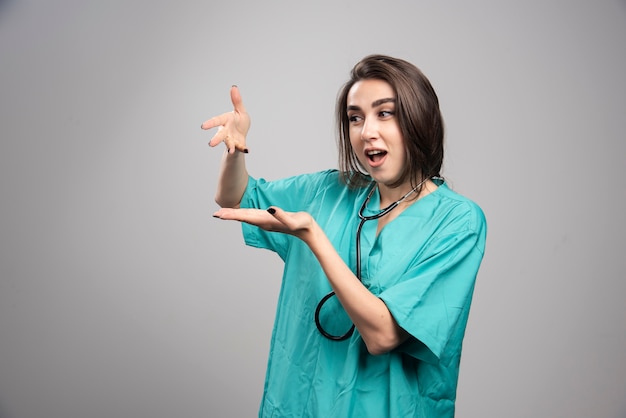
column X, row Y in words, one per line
column 375, row 103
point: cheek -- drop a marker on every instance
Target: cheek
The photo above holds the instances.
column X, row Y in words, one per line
column 401, row 152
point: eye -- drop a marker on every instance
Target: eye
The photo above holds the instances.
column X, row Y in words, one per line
column 386, row 114
column 354, row 118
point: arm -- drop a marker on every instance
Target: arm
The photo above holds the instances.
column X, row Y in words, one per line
column 233, row 180
column 232, row 131
column 370, row 315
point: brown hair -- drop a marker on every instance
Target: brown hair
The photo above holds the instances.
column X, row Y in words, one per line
column 419, row 119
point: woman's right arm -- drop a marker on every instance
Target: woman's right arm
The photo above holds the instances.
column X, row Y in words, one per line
column 232, row 181
column 232, row 130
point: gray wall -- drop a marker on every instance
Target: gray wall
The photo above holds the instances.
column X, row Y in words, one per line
column 120, row 295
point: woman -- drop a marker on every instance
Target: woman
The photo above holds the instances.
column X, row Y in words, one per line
column 380, row 256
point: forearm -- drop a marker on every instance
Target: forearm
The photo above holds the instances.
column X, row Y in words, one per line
column 233, row 180
column 370, row 315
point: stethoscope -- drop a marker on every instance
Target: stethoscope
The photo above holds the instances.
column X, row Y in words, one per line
column 364, row 219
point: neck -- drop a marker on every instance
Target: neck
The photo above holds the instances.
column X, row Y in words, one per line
column 400, row 194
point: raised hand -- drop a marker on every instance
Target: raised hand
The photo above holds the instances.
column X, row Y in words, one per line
column 232, row 126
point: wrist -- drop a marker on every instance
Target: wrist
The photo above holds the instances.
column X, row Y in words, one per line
column 315, row 238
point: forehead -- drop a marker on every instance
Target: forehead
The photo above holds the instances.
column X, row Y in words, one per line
column 364, row 92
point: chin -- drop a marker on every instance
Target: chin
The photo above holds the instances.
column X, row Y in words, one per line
column 380, row 178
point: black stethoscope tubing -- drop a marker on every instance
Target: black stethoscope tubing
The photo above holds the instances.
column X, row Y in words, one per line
column 358, row 261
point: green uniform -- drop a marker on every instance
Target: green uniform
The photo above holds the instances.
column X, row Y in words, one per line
column 423, row 265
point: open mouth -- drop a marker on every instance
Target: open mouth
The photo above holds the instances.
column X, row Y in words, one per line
column 376, row 156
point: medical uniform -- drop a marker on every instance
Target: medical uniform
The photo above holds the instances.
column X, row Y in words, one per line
column 423, row 265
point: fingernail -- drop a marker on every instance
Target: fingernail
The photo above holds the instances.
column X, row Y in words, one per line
column 245, row 150
column 234, row 85
column 271, row 211
column 215, row 216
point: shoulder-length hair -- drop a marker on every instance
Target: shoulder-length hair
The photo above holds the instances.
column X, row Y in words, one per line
column 417, row 112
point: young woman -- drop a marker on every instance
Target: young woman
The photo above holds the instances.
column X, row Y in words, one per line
column 380, row 256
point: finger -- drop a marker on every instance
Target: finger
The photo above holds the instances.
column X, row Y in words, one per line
column 235, row 97
column 220, row 120
column 257, row 217
column 231, row 143
column 220, row 136
column 240, row 147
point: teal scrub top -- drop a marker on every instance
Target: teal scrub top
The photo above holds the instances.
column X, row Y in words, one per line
column 423, row 265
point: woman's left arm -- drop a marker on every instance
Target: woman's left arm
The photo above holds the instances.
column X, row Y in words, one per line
column 370, row 315
column 379, row 330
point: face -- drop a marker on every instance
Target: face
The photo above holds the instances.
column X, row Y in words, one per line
column 374, row 130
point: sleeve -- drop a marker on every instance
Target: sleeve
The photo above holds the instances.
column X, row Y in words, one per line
column 432, row 301
column 291, row 194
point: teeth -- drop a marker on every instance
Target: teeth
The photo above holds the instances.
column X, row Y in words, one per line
column 374, row 152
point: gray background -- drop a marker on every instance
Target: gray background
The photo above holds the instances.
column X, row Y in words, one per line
column 120, row 295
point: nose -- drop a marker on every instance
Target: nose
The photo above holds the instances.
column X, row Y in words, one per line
column 369, row 132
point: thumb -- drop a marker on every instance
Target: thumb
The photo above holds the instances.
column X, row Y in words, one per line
column 285, row 218
column 278, row 213
column 299, row 224
column 235, row 98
